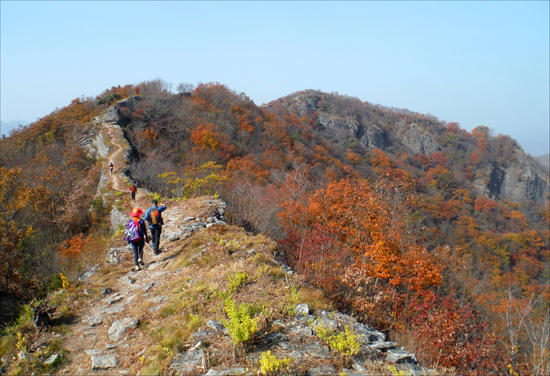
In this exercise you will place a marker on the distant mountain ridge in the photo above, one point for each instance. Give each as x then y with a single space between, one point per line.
8 126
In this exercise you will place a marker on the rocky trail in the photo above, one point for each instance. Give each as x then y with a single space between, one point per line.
128 322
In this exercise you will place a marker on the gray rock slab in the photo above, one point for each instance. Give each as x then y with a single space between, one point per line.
51 360
188 362
104 361
134 287
121 249
156 274
297 354
283 345
159 299
368 334
126 280
317 351
148 286
114 299
112 259
383 345
172 238
321 370
130 299
120 327
401 356
200 335
414 370
95 320
225 371
216 325
88 274
305 319
351 372
301 309
157 265
118 218
114 309
93 352
300 330
327 323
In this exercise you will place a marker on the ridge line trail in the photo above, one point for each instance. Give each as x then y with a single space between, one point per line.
114 157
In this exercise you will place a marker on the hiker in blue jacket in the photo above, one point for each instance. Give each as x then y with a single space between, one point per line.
155 221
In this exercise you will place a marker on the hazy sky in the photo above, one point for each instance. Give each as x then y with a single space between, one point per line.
476 63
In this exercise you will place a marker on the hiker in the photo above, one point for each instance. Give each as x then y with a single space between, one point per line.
155 223
133 189
136 234
111 167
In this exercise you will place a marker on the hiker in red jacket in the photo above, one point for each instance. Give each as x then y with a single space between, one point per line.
133 189
139 243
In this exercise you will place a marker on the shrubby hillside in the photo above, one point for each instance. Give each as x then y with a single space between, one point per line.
402 219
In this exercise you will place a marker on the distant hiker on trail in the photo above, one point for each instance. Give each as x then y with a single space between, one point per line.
111 167
136 234
133 189
155 223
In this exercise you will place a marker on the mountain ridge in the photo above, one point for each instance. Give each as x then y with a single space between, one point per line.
341 186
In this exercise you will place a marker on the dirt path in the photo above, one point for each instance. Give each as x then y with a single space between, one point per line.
106 339
116 158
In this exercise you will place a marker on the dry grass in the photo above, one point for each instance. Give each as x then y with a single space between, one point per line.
200 273
194 298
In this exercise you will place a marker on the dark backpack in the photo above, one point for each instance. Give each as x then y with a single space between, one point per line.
132 231
156 218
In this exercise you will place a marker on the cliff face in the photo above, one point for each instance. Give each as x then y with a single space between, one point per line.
517 181
515 176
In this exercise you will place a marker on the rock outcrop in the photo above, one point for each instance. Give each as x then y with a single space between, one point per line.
517 180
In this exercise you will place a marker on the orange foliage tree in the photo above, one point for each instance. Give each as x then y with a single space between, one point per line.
18 204
380 252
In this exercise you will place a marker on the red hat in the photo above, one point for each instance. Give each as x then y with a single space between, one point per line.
136 212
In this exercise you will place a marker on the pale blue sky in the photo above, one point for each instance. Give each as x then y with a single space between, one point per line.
477 63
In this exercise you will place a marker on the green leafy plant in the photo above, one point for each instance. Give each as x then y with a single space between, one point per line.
290 302
271 365
237 280
241 325
344 342
394 371
263 270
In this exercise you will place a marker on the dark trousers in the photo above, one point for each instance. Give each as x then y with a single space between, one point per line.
155 237
134 196
137 246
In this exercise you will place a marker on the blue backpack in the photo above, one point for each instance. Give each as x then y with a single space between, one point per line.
132 231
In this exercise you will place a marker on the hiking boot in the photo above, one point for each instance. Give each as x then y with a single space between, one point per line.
140 261
137 268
